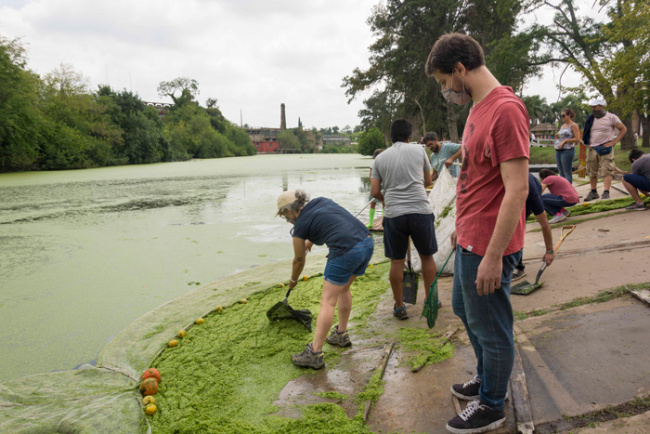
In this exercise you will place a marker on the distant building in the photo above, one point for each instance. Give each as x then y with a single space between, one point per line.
336 141
264 139
160 106
544 131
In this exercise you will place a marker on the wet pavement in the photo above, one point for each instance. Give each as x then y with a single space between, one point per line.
576 361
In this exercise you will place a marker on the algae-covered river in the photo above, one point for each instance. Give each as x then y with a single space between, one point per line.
84 253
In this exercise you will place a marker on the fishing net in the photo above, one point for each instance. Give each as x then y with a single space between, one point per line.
430 309
282 311
104 399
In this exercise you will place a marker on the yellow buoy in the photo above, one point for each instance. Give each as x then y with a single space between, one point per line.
181 334
586 203
173 343
149 400
243 301
305 278
199 321
218 309
151 409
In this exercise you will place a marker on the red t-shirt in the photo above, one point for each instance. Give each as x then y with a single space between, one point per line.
561 187
496 131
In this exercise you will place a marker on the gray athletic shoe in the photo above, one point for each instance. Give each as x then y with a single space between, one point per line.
342 339
637 207
606 195
309 358
518 274
592 196
558 218
566 213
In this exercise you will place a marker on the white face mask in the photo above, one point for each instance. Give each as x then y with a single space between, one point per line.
460 98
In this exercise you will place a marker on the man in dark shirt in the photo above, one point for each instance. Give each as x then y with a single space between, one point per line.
638 180
534 205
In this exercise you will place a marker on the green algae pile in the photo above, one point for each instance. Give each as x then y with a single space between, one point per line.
596 207
428 347
603 205
224 376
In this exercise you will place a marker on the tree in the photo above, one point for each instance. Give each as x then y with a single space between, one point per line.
631 65
404 33
79 132
187 88
20 120
371 140
143 138
588 47
287 141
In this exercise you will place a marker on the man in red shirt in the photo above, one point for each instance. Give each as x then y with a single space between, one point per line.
490 223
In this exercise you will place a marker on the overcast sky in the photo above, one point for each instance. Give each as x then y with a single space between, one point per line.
251 55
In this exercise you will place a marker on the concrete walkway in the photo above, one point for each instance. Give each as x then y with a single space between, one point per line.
575 360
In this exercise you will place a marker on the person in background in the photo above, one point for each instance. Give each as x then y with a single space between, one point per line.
535 206
598 135
399 179
638 180
565 140
562 194
443 155
490 225
373 201
323 221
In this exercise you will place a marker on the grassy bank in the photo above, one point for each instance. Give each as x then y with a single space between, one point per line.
546 155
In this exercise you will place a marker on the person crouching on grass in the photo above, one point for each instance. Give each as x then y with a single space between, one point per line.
323 221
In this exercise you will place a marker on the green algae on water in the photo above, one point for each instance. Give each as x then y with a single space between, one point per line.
332 395
429 346
227 373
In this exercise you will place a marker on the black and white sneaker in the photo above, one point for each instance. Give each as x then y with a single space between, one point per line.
518 273
476 418
467 391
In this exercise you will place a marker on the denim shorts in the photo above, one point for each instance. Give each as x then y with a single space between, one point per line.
351 263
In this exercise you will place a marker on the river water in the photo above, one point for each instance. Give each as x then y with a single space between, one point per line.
84 253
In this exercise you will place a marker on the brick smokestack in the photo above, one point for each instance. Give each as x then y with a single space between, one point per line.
283 118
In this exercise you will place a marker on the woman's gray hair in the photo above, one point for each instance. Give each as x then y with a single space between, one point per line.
302 197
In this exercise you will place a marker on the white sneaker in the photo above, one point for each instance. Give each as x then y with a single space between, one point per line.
558 218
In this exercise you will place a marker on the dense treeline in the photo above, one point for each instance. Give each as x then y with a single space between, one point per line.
610 53
56 122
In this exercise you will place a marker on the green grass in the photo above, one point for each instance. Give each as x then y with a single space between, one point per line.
546 155
601 297
604 296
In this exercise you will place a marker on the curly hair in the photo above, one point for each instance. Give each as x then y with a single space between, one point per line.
302 198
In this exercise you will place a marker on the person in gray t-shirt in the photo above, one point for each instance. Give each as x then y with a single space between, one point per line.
399 178
638 180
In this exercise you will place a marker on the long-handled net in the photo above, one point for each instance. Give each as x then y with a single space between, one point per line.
430 309
281 310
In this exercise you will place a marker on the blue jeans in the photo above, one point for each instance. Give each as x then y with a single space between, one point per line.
488 321
564 161
553 204
351 263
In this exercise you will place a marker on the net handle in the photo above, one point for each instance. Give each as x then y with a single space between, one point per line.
443 267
